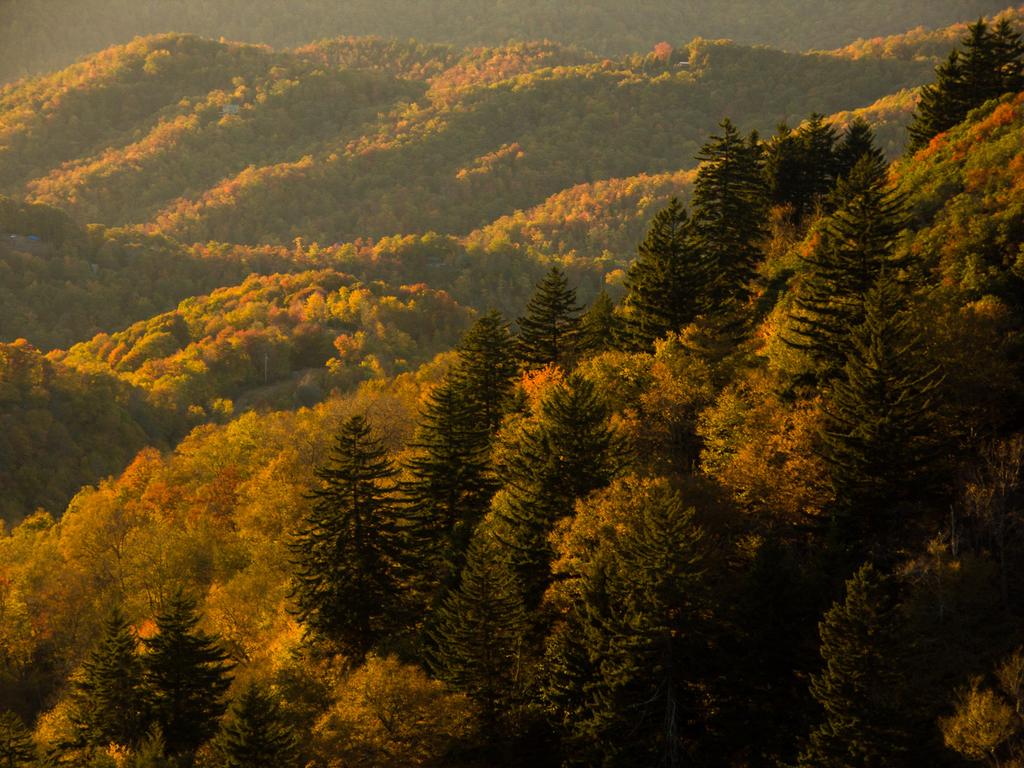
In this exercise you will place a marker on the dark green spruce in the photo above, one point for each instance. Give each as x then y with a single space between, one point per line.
345 584
549 331
668 282
187 675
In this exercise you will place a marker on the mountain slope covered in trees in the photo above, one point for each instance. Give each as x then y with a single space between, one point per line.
41 36
758 504
216 141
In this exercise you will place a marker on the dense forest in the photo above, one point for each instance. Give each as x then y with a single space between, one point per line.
709 454
43 35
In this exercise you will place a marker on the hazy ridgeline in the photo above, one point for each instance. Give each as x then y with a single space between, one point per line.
41 35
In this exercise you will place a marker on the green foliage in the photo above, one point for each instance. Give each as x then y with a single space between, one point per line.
854 245
549 331
880 439
187 677
450 482
730 211
862 686
345 550
479 634
625 664
667 283
255 734
990 64
486 369
111 700
568 450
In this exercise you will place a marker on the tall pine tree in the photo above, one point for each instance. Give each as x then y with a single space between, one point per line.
626 664
730 210
187 676
256 735
486 369
568 451
861 685
857 143
345 584
549 331
857 242
989 64
450 483
880 439
109 698
668 281
479 634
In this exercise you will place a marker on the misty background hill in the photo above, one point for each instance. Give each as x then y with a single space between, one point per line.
42 35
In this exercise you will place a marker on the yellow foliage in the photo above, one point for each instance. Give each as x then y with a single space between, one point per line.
983 723
388 714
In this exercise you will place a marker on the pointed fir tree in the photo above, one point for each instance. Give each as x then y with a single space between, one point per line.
989 64
345 551
256 734
858 142
801 167
478 635
730 213
16 747
109 698
820 168
569 451
668 281
1009 55
625 667
599 326
861 685
549 331
880 439
784 171
857 242
450 484
187 675
486 369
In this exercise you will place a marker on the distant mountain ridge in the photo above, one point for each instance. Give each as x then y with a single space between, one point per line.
205 140
41 35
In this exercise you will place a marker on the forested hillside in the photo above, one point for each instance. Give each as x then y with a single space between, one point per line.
216 141
720 466
42 36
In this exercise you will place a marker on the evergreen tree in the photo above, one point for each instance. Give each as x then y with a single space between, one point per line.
730 210
187 675
861 683
549 331
16 747
486 369
820 167
857 242
990 64
479 632
569 451
451 483
599 327
879 442
256 735
110 705
345 550
801 167
625 667
857 143
667 282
